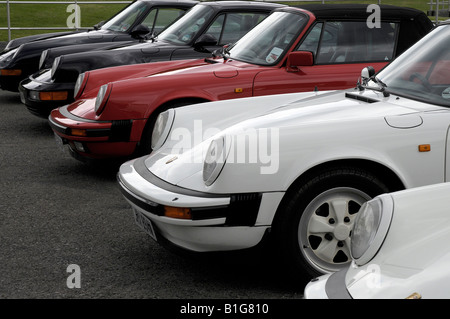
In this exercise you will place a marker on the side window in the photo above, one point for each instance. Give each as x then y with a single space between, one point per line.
230 27
215 29
149 20
311 42
238 24
160 18
352 42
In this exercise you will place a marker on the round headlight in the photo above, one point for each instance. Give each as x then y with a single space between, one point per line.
370 228
79 85
8 56
42 59
162 128
101 99
215 158
55 65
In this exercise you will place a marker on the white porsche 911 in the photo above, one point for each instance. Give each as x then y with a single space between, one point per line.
295 167
399 248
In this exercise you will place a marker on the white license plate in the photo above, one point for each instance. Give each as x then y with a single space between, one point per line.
145 223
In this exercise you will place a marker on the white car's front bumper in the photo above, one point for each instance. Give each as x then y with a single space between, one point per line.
220 222
328 286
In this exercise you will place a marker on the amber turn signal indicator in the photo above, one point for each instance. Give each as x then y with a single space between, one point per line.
53 96
13 72
177 212
78 132
424 148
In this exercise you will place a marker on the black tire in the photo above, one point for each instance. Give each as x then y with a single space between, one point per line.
145 144
311 237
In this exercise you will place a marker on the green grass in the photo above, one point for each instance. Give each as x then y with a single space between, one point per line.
55 15
51 15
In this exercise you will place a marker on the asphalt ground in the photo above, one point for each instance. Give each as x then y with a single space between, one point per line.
56 212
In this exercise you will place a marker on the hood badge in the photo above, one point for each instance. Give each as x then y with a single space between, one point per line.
172 159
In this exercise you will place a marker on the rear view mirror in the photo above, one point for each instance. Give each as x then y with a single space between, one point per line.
140 31
299 58
367 73
204 41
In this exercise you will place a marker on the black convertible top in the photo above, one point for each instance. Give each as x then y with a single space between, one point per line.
351 11
414 24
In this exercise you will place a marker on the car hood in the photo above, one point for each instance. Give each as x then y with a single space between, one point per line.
33 49
32 38
307 120
127 72
155 71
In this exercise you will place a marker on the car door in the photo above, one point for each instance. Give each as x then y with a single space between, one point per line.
340 50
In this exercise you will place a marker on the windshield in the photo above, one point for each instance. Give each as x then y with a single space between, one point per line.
187 27
126 18
267 43
422 72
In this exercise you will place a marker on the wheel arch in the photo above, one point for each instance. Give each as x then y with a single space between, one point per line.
385 174
164 107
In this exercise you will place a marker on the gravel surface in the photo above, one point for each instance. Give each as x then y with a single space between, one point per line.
57 211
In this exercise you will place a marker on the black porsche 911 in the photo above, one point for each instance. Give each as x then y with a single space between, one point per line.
21 56
205 28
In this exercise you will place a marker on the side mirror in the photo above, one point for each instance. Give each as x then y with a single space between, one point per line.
203 41
367 73
140 31
99 25
296 59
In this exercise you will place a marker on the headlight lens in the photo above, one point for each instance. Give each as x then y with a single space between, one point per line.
215 160
8 56
370 228
79 84
55 66
162 128
42 59
102 95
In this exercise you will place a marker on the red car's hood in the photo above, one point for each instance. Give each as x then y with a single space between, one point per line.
124 72
103 76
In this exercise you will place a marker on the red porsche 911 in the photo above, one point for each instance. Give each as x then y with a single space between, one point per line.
315 47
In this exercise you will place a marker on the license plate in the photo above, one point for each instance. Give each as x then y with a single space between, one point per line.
145 223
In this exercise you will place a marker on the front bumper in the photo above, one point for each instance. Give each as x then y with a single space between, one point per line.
92 139
219 222
329 286
10 82
56 94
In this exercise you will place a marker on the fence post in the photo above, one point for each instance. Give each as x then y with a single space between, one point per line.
8 19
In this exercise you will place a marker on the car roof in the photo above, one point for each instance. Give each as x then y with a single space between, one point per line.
240 4
357 11
170 2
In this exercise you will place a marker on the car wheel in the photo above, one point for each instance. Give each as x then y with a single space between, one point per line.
313 226
145 145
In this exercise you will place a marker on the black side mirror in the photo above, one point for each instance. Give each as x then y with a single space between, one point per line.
99 25
203 41
140 31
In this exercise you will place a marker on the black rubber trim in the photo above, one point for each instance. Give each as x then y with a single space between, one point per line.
139 166
335 286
